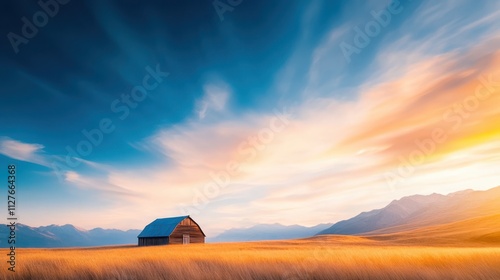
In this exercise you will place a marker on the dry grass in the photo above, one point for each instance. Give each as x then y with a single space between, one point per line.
333 257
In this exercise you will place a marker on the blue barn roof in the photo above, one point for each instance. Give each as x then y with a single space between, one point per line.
161 227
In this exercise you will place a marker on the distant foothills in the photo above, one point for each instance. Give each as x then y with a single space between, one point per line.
406 214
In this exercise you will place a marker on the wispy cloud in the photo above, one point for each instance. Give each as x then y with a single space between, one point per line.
214 99
29 152
102 186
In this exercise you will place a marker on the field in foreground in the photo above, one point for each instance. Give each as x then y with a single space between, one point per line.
323 257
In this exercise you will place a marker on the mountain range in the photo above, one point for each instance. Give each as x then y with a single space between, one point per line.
418 211
267 232
54 236
475 214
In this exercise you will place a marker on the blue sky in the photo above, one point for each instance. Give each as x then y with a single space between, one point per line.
315 131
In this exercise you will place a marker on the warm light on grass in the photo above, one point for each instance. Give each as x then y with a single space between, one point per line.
317 258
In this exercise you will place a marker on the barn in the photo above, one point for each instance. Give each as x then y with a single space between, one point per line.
174 230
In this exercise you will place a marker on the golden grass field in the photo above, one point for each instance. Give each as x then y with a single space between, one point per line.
332 257
468 249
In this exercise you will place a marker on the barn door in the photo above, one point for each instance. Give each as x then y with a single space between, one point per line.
185 239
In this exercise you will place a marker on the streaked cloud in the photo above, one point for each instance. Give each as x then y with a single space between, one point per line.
332 153
29 152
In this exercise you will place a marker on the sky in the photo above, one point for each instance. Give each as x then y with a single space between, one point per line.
238 113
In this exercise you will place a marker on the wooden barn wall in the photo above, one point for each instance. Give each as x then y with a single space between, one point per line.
150 241
187 227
